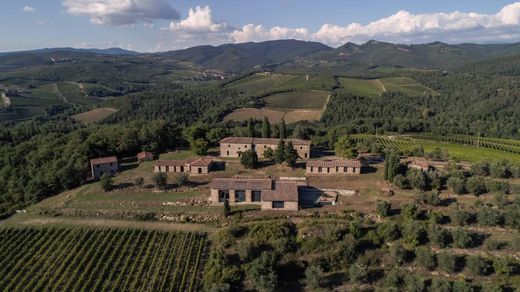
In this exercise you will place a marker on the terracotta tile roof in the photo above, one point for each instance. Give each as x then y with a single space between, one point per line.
268 141
283 191
237 140
334 163
173 162
241 184
421 162
103 160
205 161
144 154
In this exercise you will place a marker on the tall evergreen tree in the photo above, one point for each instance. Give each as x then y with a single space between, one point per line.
290 154
279 153
250 128
266 128
283 129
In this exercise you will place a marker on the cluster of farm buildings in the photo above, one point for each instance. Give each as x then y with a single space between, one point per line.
269 193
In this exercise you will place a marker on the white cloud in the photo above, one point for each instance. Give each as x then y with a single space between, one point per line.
121 12
29 9
451 27
251 33
199 20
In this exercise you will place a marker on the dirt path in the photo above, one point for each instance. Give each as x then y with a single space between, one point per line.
92 222
59 95
6 100
380 85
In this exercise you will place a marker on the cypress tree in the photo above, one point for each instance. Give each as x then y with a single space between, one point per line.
250 128
266 128
290 154
283 130
279 153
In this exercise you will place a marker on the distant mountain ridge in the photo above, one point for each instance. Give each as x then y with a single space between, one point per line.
302 55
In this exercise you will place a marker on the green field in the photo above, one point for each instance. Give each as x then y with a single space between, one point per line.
375 87
75 94
258 83
306 99
45 91
94 259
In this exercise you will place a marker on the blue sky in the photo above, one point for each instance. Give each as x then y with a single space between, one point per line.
160 25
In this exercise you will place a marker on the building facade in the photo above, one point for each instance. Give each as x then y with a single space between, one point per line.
270 194
235 146
104 165
339 166
191 166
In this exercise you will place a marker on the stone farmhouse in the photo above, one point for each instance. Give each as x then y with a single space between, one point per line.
338 166
234 146
144 156
191 166
270 194
104 165
419 163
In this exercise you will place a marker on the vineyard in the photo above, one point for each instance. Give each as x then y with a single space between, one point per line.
507 145
88 259
459 147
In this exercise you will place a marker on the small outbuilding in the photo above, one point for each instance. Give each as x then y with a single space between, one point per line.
104 165
192 166
338 166
144 156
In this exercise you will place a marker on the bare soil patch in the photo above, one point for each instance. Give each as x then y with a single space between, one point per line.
95 115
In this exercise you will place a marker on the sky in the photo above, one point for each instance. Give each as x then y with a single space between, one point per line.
162 25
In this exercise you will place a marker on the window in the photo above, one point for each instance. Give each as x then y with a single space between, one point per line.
111 164
200 170
345 169
305 155
337 169
240 196
319 169
278 204
182 168
228 145
256 196
97 166
245 146
301 148
312 168
265 146
223 195
328 170
354 170
227 153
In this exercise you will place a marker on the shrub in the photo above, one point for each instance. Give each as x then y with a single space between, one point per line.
358 273
139 182
515 242
409 211
491 244
460 217
160 180
477 265
414 283
262 272
390 231
487 216
476 185
106 183
393 279
462 286
457 185
414 233
447 262
425 257
182 179
461 238
438 235
314 277
401 182
504 266
500 199
440 285
398 254
383 208
432 198
249 159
